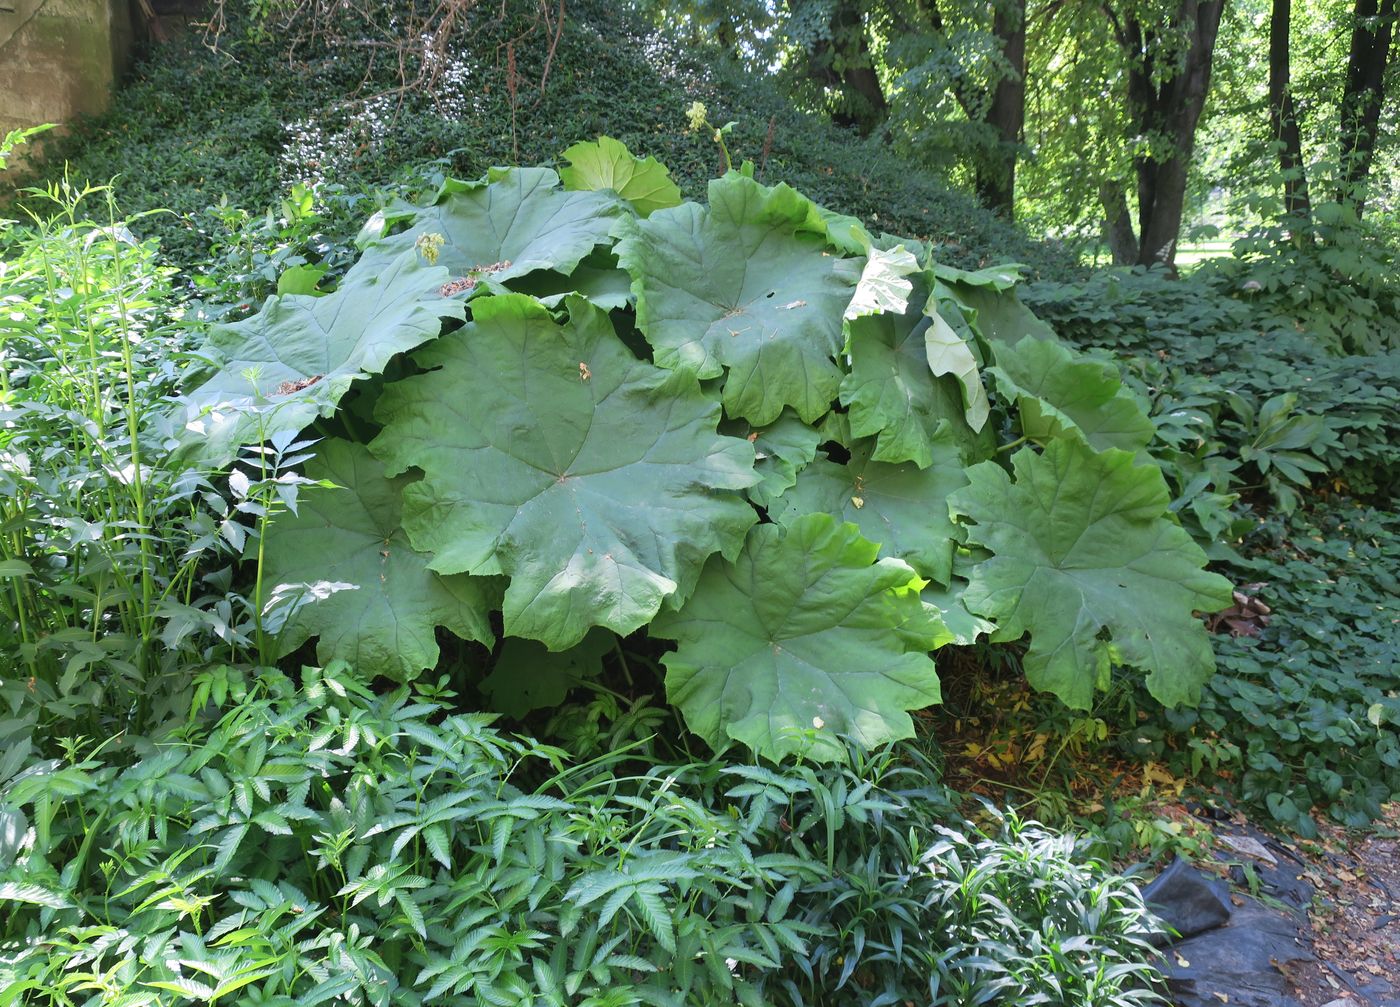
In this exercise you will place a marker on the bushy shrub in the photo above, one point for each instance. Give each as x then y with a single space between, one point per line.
1331 277
746 435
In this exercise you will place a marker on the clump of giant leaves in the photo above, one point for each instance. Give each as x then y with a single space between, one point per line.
798 456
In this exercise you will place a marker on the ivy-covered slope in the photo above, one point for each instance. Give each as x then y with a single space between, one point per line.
193 125
745 426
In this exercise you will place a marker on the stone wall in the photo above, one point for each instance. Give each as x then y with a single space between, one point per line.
60 58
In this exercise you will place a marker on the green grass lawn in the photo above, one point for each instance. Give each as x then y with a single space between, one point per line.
1192 253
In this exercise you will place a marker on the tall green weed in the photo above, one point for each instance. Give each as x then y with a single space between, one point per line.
86 504
114 554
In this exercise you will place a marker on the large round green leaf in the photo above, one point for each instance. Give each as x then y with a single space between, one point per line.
902 507
781 450
993 308
608 164
384 623
1082 545
893 394
514 222
596 481
801 641
745 288
295 359
1058 392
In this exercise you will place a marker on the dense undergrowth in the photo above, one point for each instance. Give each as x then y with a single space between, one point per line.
318 843
182 822
152 765
1288 457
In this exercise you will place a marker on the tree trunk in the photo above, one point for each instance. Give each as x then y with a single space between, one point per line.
1373 24
843 61
1165 103
726 36
994 178
1118 224
996 181
1283 116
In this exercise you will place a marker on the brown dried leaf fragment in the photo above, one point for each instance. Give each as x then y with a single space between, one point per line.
1246 617
474 275
288 387
453 287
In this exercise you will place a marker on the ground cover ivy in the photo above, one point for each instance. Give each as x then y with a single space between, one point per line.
1281 458
1305 714
632 415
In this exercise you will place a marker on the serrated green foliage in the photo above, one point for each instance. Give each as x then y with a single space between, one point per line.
595 481
900 507
1082 545
607 164
292 362
789 648
510 224
1058 392
892 393
382 604
781 451
744 288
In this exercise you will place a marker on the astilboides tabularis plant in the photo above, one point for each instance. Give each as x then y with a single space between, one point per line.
800 455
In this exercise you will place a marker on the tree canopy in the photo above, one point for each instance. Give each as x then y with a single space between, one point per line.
1117 121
